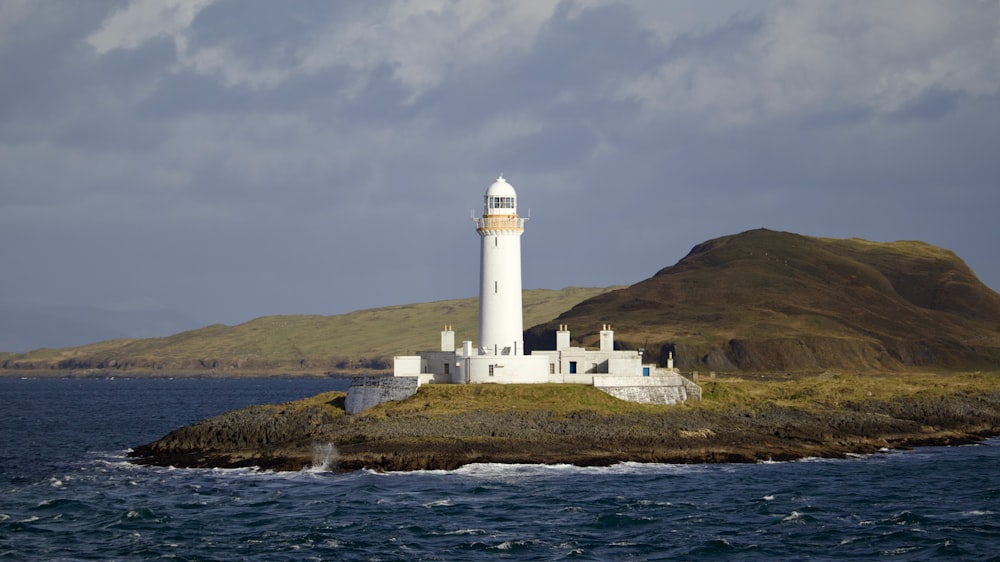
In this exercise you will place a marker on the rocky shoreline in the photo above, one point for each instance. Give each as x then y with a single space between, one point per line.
316 433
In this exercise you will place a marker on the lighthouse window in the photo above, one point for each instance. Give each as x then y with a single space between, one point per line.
501 202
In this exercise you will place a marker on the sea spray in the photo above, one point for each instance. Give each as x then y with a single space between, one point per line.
325 457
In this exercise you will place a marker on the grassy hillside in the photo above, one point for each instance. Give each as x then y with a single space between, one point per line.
755 301
776 301
365 339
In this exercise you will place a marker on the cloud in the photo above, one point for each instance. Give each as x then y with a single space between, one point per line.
199 152
143 20
800 58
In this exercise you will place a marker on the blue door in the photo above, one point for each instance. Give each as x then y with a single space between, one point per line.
645 371
572 367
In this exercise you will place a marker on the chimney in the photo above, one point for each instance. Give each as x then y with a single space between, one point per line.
447 339
607 338
562 337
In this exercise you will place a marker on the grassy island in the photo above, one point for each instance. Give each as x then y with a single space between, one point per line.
747 418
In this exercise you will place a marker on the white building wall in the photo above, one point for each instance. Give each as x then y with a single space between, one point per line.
438 364
625 363
515 369
405 365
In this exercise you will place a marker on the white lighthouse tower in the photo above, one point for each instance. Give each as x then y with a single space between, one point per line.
501 326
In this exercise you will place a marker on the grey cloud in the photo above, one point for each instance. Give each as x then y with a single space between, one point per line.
933 103
336 187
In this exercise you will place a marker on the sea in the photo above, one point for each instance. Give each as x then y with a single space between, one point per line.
68 492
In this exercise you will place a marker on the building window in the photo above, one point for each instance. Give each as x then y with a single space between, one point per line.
552 368
491 370
447 368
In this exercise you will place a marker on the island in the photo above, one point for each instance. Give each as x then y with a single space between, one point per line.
744 418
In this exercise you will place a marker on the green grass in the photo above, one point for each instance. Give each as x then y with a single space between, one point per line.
836 390
818 392
561 399
302 343
329 402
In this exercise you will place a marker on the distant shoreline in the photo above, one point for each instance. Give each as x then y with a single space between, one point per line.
105 374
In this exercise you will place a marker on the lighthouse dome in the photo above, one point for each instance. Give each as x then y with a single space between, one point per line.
500 199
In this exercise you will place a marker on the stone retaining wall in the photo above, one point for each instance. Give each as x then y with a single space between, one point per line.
368 391
670 389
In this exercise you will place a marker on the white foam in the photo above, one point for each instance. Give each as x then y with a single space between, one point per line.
507 471
438 503
466 532
325 457
792 516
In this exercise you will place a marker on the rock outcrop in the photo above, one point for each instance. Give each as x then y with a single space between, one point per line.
289 437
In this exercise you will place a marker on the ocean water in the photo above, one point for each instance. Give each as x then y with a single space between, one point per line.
68 493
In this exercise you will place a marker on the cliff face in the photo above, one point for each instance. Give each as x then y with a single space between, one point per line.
775 301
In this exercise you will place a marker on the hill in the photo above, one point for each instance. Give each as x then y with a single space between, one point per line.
760 300
360 340
775 301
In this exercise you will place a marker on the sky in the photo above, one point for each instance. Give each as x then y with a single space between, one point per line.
222 160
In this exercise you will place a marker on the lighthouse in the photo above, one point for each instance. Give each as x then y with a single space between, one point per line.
499 356
501 328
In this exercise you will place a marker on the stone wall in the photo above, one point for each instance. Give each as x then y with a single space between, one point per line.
669 389
368 391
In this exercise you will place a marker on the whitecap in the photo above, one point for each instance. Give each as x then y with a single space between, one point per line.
792 516
898 551
466 532
438 503
507 471
768 498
